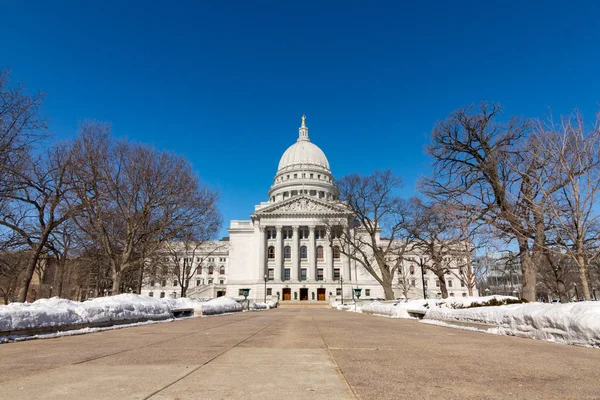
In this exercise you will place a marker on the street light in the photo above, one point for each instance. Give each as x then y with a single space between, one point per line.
357 294
421 264
594 293
576 292
50 290
265 287
342 288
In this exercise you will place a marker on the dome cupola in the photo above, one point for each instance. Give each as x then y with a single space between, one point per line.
303 169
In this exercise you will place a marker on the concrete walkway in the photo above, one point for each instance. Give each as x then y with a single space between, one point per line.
304 353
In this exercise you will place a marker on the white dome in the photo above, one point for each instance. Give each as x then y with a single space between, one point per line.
301 154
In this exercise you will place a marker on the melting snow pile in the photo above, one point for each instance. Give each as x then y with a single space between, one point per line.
220 305
571 323
61 312
262 305
124 307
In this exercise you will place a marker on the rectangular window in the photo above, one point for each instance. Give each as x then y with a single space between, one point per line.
163 283
286 274
336 274
367 292
437 283
151 294
413 282
303 273
462 283
152 283
198 282
240 292
338 291
269 292
464 295
221 282
174 283
451 294
210 281
320 274
449 282
162 294
271 274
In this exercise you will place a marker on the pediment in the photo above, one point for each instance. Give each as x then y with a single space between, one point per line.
304 205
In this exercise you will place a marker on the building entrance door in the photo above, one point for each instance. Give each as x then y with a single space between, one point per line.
303 294
287 294
220 293
321 294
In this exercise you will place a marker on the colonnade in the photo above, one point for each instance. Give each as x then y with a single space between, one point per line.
279 263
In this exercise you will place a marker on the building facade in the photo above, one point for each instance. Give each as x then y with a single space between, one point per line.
283 251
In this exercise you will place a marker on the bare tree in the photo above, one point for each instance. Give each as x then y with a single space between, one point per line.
483 163
132 195
20 127
404 281
575 171
374 232
37 206
438 237
187 254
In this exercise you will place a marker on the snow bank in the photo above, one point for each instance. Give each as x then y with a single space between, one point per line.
61 312
404 309
56 312
262 305
220 305
571 323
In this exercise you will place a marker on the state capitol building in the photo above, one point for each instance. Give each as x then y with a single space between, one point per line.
284 249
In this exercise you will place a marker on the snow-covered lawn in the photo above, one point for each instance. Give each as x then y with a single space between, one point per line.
573 323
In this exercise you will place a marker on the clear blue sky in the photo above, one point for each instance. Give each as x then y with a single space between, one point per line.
225 82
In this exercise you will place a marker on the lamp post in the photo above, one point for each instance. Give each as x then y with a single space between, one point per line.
422 264
357 295
265 287
594 293
245 293
50 290
576 292
342 288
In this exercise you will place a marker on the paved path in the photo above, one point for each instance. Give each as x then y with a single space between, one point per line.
299 353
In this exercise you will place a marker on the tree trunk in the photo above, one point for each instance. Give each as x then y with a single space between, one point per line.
116 286
582 264
30 270
388 291
529 271
443 287
562 292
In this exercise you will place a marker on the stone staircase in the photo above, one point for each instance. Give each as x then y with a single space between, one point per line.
303 304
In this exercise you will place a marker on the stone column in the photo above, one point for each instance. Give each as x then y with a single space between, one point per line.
262 260
328 260
312 254
278 254
346 268
295 254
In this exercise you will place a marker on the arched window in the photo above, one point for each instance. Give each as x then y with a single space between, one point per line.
222 270
336 253
287 252
303 253
271 252
320 252
211 269
412 269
